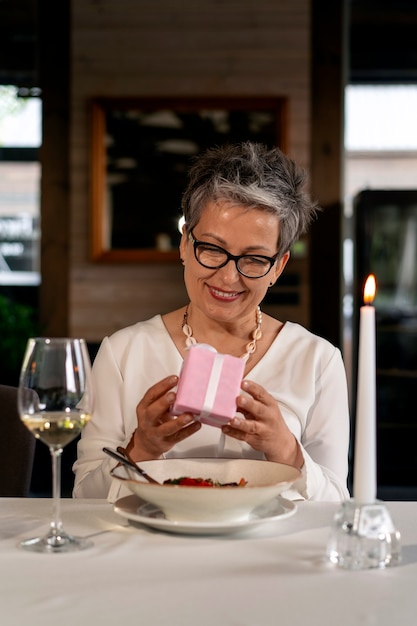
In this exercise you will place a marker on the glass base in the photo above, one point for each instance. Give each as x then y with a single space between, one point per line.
56 543
363 536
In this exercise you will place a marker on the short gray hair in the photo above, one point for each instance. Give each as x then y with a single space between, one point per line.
255 177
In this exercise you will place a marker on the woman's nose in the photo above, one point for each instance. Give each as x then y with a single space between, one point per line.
230 272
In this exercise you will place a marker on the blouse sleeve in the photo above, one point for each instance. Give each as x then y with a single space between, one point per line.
92 467
325 438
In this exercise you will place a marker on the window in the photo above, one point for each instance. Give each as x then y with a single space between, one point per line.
380 155
20 138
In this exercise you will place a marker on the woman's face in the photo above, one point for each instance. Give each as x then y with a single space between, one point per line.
224 294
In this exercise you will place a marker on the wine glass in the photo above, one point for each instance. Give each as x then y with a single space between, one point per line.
55 401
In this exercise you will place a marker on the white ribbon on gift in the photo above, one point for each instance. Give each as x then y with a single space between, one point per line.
212 386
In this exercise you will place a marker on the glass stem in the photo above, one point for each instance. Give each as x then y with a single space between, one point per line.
56 524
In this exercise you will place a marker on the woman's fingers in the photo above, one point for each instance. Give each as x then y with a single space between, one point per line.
155 404
158 429
159 390
256 402
179 429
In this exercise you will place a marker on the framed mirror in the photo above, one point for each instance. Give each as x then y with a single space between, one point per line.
141 151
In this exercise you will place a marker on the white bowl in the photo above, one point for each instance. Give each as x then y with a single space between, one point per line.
265 480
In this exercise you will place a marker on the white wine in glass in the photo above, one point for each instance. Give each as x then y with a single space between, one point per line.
55 401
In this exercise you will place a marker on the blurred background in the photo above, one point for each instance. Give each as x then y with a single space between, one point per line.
100 102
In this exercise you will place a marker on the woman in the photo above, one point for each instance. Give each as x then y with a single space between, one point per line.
244 207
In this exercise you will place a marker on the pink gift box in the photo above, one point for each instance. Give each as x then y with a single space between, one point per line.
209 384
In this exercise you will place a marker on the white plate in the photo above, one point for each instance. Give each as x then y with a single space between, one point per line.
137 510
265 480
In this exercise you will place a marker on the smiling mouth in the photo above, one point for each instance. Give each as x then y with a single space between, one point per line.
224 294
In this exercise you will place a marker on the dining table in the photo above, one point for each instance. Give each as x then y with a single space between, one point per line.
273 573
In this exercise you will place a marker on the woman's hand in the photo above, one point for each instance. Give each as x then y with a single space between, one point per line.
157 430
264 428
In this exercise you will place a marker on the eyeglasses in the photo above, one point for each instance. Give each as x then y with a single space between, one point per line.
214 257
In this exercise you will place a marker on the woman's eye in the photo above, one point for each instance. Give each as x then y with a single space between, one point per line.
211 250
253 260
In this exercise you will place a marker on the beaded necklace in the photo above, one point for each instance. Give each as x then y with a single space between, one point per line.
250 347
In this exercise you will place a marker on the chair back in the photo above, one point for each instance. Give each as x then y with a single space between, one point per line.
17 447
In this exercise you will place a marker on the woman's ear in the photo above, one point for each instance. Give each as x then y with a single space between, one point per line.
183 244
279 267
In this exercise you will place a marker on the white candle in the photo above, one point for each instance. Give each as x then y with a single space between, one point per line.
364 473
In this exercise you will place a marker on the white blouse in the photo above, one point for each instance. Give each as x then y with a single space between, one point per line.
304 372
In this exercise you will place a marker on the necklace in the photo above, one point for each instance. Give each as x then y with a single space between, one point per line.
250 347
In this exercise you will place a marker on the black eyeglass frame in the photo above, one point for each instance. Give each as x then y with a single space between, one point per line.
231 257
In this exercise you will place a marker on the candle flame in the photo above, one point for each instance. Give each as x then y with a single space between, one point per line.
369 290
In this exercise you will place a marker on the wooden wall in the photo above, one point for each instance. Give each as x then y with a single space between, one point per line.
164 48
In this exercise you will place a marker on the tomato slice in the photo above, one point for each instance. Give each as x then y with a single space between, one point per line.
195 482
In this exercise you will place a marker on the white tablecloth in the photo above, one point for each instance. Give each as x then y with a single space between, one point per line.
274 575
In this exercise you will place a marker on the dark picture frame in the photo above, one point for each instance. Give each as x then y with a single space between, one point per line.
141 151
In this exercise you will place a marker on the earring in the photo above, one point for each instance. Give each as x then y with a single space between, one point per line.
270 284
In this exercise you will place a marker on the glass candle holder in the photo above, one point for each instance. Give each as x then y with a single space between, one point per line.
363 536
